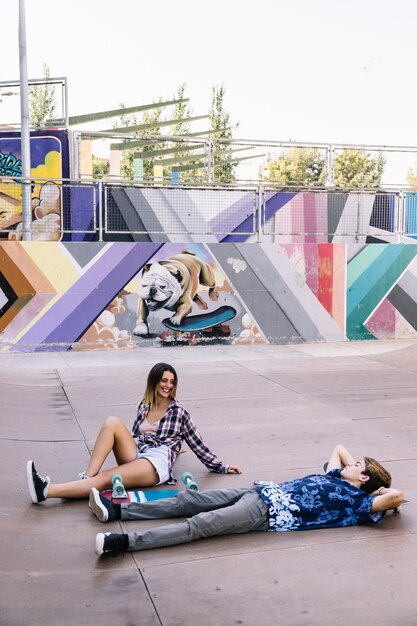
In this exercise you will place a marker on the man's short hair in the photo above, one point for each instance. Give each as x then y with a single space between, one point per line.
378 476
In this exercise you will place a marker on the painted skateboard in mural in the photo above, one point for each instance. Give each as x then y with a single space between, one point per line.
119 495
397 510
200 328
203 321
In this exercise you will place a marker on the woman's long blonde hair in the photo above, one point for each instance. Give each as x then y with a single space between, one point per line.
154 378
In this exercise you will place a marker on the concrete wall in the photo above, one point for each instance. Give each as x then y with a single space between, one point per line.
61 296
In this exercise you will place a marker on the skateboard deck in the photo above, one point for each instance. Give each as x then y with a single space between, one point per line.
136 495
204 320
120 495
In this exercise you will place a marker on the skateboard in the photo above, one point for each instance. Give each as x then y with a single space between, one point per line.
203 321
119 495
136 495
213 334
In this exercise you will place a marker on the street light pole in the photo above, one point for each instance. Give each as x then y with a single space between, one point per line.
24 128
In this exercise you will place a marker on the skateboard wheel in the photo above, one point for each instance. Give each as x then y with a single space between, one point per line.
186 476
116 478
189 482
118 487
118 490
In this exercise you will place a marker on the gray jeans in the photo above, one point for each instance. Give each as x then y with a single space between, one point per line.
213 512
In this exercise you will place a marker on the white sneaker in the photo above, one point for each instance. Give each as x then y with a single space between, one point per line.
38 485
111 543
83 476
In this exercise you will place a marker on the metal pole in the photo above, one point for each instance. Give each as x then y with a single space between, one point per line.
100 210
65 103
401 216
210 160
259 198
330 166
24 128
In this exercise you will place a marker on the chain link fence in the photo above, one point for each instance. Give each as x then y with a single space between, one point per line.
100 210
58 207
179 211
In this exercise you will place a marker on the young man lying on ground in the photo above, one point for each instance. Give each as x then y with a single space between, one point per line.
351 492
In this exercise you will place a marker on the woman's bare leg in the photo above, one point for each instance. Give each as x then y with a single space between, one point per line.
138 473
115 436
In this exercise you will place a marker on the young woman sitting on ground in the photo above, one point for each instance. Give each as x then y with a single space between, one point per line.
144 458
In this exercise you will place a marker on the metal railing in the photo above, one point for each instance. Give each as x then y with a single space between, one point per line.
195 158
65 209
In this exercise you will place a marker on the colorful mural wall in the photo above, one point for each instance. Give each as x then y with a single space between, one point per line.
75 295
49 154
230 215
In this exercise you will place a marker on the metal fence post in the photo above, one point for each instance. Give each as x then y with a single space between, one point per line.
209 161
358 217
24 129
100 210
330 165
401 216
259 195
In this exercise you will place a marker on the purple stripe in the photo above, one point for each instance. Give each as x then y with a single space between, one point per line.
80 306
276 202
244 228
236 214
26 314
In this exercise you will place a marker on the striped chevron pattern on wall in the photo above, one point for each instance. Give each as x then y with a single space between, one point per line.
62 296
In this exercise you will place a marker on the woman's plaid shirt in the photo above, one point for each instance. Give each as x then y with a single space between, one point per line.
175 427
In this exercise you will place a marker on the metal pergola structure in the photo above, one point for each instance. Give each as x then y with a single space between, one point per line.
60 81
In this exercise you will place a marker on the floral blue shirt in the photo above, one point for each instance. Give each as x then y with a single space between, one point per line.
316 501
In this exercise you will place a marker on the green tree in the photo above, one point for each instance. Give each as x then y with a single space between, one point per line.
412 176
126 165
101 167
182 111
357 168
151 117
148 117
41 102
224 166
297 166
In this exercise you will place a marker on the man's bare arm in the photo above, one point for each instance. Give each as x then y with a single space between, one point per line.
386 498
339 458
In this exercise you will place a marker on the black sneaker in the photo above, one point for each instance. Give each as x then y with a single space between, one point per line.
111 543
38 485
103 509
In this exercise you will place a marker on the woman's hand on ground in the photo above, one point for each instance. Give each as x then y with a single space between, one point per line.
234 469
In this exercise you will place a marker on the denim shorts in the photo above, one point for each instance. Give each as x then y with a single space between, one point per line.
159 457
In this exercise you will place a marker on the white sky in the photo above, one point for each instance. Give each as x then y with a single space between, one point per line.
323 71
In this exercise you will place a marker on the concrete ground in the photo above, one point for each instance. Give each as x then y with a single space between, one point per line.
275 410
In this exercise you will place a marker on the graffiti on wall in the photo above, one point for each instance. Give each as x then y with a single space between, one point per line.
74 296
49 161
